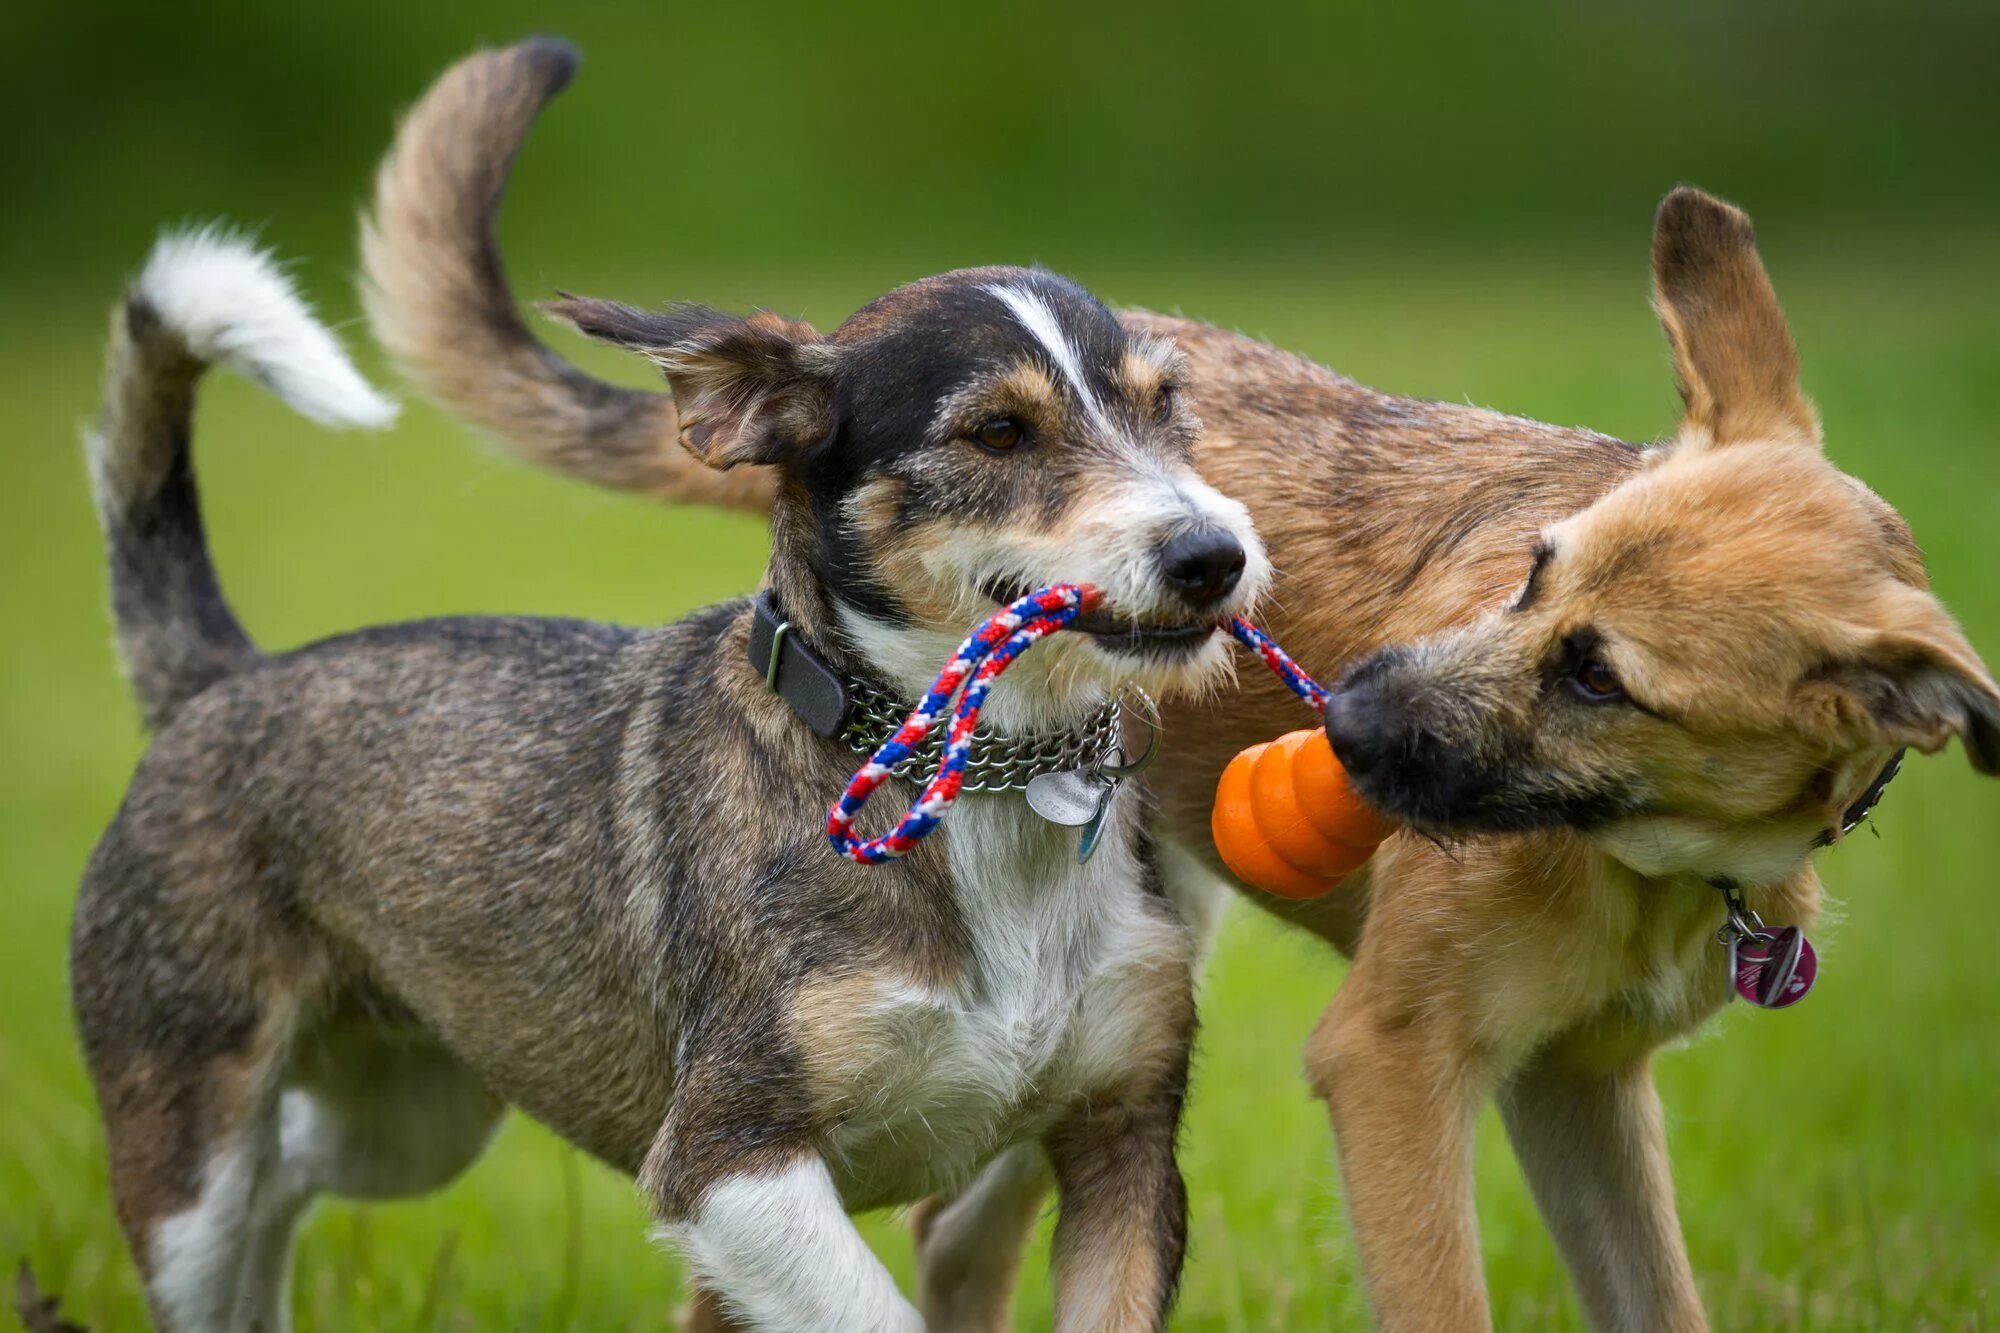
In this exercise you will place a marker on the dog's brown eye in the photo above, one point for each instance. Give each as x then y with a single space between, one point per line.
999 434
1170 398
1596 681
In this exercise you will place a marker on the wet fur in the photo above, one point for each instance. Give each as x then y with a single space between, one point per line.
1552 924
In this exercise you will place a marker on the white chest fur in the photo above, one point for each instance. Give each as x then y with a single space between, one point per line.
1059 996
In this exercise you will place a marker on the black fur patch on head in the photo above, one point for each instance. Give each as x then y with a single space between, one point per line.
958 337
910 350
898 397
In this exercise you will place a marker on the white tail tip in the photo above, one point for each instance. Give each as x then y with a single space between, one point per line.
231 304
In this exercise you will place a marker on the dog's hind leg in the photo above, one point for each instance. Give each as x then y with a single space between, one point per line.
220 1260
233 1089
364 1113
371 1111
187 1045
344 1110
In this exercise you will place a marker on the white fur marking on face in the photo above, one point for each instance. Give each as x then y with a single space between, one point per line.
1039 319
781 1252
1113 544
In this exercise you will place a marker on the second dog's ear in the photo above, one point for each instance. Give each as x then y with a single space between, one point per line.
747 390
1739 372
1917 685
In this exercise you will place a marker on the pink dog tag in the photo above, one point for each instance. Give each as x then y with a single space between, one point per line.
1773 973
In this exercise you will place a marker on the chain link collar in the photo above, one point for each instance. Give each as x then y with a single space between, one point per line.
999 762
862 715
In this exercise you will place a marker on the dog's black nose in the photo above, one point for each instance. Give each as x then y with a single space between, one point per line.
1359 727
1204 565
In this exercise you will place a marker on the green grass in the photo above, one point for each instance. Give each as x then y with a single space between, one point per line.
1839 1165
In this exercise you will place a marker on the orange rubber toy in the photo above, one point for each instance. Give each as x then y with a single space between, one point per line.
1287 820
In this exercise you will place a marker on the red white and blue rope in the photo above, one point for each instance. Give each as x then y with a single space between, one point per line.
976 664
1280 662
968 676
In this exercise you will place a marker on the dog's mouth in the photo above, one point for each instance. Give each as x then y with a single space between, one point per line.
1454 796
1128 636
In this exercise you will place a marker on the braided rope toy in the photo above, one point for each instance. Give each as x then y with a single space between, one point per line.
969 675
1280 662
986 652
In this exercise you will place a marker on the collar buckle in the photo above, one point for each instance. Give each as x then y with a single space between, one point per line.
798 675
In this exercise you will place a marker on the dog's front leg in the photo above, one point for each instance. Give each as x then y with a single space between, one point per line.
743 1194
1402 1094
1591 1144
1121 1221
775 1247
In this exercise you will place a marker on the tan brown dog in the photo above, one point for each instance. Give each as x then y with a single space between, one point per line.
1606 681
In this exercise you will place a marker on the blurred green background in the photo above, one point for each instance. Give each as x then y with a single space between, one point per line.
1450 201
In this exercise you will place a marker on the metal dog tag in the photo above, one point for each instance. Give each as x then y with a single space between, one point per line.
1774 972
1071 798
1075 798
1086 843
1082 797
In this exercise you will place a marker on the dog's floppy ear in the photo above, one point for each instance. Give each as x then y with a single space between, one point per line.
1739 373
747 390
1918 684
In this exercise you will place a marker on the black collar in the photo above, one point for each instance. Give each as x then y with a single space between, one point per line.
816 692
1851 819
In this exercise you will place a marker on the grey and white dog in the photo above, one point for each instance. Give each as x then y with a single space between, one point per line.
362 896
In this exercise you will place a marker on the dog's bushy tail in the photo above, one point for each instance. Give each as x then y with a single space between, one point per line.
204 298
437 295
